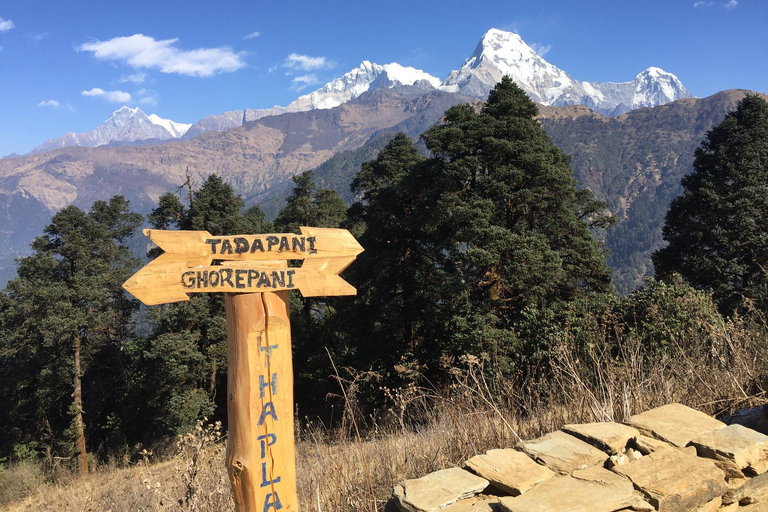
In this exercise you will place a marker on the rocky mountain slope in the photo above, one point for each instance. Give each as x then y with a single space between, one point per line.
124 125
634 161
366 77
497 54
502 53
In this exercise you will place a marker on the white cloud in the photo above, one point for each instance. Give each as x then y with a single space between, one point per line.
136 78
147 96
306 63
110 96
5 25
541 49
37 37
304 81
144 52
49 103
252 35
731 4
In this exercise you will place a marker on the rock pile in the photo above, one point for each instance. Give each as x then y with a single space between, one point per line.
670 459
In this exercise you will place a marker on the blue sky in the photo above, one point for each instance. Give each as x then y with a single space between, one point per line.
65 66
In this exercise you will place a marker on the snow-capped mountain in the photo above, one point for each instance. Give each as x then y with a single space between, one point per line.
502 53
366 77
124 125
499 53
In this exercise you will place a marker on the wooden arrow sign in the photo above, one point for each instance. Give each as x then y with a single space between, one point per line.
186 265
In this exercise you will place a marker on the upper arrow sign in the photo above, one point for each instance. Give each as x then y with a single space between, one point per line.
201 246
185 266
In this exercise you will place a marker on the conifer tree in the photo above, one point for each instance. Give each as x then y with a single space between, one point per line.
718 228
313 206
478 242
181 367
65 322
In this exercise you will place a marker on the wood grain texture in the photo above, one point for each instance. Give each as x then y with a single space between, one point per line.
260 450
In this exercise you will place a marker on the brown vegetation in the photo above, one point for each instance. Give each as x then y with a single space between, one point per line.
602 368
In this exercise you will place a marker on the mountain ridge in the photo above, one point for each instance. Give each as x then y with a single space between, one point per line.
124 125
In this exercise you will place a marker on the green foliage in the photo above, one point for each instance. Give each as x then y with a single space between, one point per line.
717 229
180 370
67 294
310 205
488 234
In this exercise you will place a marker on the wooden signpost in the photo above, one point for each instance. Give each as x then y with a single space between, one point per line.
253 272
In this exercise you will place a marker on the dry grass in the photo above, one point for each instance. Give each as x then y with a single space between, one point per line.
717 367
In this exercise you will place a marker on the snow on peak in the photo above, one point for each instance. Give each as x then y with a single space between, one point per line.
125 125
175 129
406 75
501 53
365 77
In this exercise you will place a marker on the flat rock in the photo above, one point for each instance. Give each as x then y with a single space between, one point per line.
587 490
711 506
754 490
476 504
674 423
646 445
509 470
609 437
563 453
675 481
756 507
736 446
437 490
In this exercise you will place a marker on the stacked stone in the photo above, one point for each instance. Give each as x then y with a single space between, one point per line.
670 459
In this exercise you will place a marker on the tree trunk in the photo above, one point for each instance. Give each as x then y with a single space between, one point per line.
82 456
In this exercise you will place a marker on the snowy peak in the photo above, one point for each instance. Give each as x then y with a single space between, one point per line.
366 77
174 128
502 53
656 86
125 125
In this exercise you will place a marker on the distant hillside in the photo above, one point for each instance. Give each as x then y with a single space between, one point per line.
634 161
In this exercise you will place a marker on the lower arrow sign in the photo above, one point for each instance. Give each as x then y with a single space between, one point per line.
163 281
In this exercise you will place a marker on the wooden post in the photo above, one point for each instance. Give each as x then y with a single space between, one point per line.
260 449
251 272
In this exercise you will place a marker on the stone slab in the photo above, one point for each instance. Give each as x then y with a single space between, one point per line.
736 446
588 490
674 423
757 507
563 453
646 445
675 481
437 490
509 470
476 504
609 437
711 506
754 490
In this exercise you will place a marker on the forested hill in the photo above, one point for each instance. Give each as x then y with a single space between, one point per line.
634 162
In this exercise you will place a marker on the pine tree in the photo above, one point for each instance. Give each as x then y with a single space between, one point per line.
470 248
181 367
65 323
718 228
310 205
393 275
313 206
